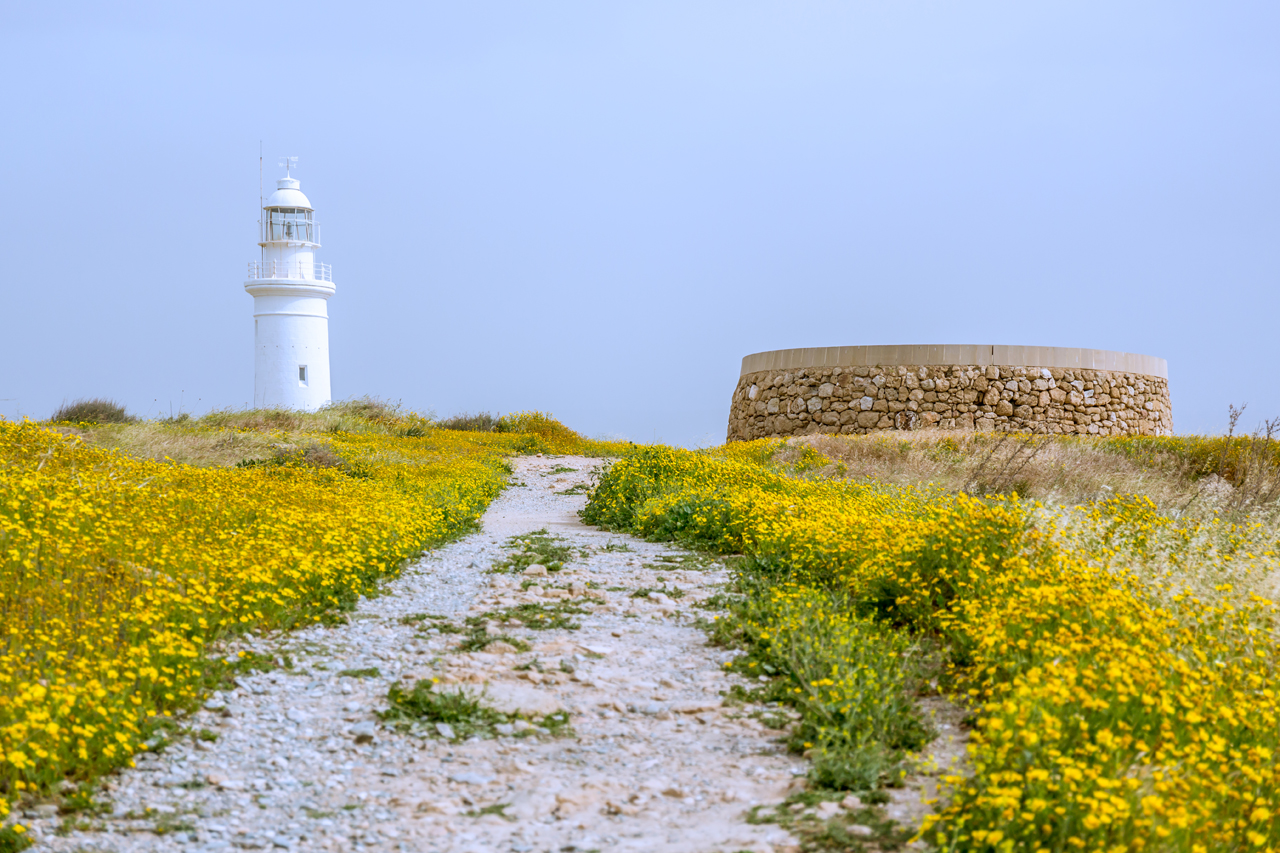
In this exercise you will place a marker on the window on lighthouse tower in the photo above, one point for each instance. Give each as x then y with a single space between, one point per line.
302 374
289 223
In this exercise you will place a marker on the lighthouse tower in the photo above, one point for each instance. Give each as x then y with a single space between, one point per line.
290 291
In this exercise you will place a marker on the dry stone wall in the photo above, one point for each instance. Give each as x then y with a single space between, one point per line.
853 400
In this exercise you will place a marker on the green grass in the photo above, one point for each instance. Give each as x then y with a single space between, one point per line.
831 835
694 562
670 592
430 620
367 672
861 744
465 713
536 547
494 808
415 618
538 616
478 640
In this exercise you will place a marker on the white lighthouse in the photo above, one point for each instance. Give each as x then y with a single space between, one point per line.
290 291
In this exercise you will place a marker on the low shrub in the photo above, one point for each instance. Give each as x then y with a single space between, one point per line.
97 410
481 422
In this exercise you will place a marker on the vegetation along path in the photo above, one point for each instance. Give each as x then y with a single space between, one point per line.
539 685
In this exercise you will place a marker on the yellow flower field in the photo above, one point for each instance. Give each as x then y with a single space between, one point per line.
116 573
1115 709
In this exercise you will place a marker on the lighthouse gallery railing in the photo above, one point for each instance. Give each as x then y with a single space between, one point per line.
294 269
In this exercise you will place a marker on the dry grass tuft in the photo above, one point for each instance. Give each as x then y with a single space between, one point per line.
479 422
363 415
97 410
1059 470
279 436
228 437
1215 497
190 445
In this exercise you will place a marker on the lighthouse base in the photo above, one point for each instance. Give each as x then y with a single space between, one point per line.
291 345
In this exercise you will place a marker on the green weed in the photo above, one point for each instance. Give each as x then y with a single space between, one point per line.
465 713
538 616
670 592
479 638
536 547
818 835
495 808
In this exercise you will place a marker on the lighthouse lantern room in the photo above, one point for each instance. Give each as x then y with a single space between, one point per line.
290 291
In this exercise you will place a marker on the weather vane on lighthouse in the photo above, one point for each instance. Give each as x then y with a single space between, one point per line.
290 291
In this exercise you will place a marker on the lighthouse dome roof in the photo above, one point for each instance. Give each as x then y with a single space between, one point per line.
287 194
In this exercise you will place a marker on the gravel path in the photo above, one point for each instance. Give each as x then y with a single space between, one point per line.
654 762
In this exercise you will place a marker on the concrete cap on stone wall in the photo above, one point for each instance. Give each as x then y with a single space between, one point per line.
1069 358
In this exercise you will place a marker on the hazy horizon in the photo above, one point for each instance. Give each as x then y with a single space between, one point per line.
597 211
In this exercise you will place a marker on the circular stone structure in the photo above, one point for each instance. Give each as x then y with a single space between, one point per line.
851 390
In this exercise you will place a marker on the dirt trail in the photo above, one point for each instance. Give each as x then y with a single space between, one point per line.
655 762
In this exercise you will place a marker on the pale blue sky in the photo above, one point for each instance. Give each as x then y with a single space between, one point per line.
597 209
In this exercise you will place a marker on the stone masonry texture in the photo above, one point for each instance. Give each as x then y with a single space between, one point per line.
857 400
